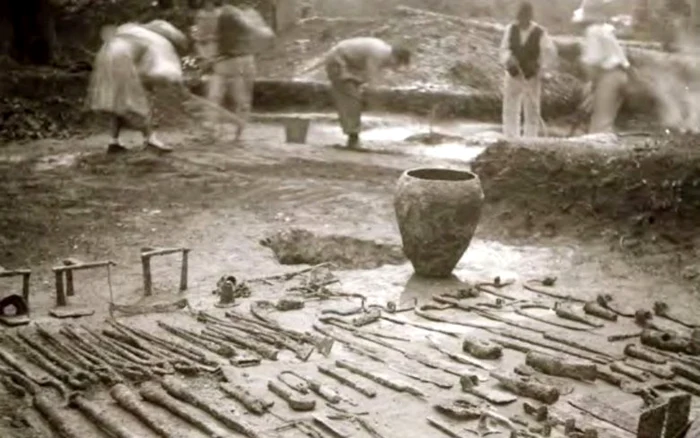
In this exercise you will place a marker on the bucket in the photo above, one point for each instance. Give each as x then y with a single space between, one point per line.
296 130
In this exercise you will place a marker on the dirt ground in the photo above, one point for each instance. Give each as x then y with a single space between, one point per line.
224 201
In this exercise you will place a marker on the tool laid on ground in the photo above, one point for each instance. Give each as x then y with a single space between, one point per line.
295 402
541 286
481 349
470 385
554 366
662 309
20 303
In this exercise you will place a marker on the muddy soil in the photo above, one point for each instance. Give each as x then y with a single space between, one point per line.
221 200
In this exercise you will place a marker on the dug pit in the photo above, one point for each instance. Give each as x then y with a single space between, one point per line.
297 246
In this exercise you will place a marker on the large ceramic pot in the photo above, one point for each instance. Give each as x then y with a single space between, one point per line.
437 211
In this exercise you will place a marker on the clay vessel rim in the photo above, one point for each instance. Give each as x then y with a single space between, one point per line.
440 174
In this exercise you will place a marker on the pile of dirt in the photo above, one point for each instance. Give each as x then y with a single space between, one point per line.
548 187
296 247
449 53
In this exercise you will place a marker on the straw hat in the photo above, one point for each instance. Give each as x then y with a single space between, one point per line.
590 10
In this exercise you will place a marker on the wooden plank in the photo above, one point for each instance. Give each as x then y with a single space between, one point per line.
651 422
605 412
14 272
88 265
678 414
163 251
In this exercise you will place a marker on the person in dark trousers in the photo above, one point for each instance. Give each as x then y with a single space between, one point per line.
526 52
241 35
353 64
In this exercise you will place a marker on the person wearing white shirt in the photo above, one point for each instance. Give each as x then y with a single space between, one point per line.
606 65
526 51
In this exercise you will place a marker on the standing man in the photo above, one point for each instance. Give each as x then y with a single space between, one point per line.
606 66
526 50
352 65
241 35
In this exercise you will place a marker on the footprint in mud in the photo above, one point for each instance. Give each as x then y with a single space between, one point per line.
296 246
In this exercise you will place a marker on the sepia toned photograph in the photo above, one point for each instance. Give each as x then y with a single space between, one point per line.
349 218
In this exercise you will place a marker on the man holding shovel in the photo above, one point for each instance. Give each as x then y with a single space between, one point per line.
526 51
351 66
606 66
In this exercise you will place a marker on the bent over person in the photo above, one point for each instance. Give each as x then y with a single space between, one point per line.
352 64
526 52
133 60
606 65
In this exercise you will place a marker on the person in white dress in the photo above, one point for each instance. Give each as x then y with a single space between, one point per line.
133 60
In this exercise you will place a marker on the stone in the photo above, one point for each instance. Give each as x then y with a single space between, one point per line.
437 211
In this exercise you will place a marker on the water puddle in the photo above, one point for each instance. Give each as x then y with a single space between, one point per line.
458 141
55 161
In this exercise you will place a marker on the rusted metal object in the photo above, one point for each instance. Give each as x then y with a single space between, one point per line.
154 393
595 309
179 390
555 366
369 317
470 385
637 352
566 311
481 349
378 377
459 409
295 402
148 253
55 417
632 373
131 402
662 310
670 342
253 404
524 387
346 379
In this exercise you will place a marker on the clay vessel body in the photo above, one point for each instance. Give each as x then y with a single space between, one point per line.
437 211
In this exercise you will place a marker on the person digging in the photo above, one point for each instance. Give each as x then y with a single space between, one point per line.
134 61
352 66
606 64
